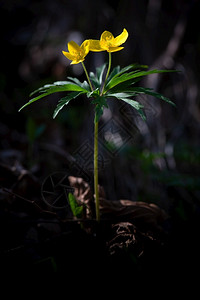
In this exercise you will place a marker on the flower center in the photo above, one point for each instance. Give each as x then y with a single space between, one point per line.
79 54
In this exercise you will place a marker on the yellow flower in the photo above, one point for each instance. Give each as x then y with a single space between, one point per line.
108 42
77 53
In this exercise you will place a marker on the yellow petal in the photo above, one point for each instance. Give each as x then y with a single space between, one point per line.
120 39
68 55
85 46
74 62
115 49
73 47
94 45
107 36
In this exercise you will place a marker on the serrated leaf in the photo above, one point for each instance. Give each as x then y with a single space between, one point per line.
121 94
136 105
99 73
34 99
64 101
114 72
97 78
83 84
54 88
122 87
148 91
100 104
119 79
94 93
117 71
98 112
59 86
77 209
100 101
132 76
94 80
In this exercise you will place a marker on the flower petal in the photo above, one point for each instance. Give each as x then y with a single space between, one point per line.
68 55
75 61
85 46
73 47
94 45
107 36
120 39
115 49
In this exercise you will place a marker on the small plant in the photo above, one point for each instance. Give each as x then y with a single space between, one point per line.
120 83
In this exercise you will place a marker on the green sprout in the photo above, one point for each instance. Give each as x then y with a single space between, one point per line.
120 84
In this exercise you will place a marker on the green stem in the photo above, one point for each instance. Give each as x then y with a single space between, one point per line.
108 71
96 190
88 78
96 124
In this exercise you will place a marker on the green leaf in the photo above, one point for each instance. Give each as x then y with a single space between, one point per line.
120 95
132 67
122 87
94 80
77 209
93 93
99 73
33 100
117 72
83 84
100 104
59 86
114 72
97 78
100 101
148 91
98 112
119 79
125 97
64 101
132 76
136 105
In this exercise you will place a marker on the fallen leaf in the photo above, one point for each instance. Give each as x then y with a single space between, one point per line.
83 193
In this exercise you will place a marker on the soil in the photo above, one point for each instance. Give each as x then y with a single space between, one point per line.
133 241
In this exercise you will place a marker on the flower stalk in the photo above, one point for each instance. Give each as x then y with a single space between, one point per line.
108 71
88 78
96 178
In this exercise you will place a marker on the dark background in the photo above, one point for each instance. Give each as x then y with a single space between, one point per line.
157 161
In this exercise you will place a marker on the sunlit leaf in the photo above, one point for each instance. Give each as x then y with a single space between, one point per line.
100 72
132 76
121 95
77 209
93 93
148 91
83 84
97 78
116 72
135 104
59 86
94 80
64 101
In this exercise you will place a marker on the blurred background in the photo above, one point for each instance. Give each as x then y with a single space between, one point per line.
156 161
